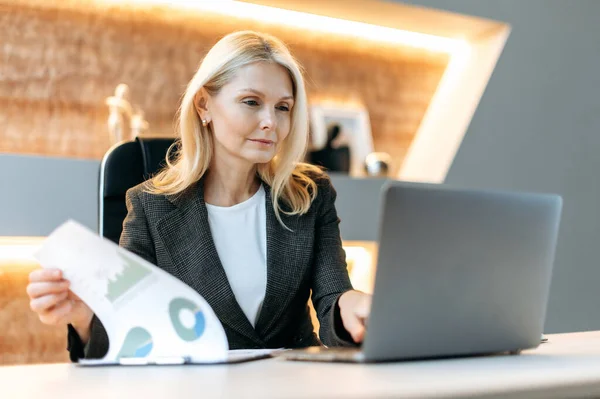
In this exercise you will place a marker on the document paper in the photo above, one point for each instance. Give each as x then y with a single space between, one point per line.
150 316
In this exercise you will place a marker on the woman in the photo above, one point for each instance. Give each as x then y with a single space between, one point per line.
237 216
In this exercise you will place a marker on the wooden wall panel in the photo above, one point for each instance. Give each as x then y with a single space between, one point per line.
59 63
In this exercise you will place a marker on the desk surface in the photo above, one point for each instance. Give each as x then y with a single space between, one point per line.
567 366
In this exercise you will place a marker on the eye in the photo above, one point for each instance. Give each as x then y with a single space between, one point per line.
284 108
252 103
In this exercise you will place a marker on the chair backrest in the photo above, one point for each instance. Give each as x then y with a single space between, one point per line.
126 165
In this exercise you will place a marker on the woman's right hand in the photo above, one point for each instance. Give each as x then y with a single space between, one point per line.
55 304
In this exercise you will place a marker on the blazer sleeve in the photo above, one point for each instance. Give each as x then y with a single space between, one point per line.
135 238
330 274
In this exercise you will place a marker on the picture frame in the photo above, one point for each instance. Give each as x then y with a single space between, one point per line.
355 131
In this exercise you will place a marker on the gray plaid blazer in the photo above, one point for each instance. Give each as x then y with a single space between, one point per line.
172 232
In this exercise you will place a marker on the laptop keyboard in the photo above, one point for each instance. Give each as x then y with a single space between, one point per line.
336 354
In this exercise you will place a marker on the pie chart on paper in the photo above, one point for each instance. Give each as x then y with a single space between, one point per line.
137 343
186 333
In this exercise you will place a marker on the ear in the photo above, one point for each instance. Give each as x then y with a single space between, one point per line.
201 103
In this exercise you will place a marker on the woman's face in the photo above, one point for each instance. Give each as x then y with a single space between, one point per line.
251 115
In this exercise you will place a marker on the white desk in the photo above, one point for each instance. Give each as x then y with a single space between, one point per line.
567 366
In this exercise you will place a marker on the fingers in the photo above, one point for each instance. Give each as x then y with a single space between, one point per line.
45 275
51 297
46 302
354 325
355 307
363 308
39 289
58 314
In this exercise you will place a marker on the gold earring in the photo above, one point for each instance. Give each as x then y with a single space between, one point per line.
204 122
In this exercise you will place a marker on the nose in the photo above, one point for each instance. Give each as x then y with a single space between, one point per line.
267 120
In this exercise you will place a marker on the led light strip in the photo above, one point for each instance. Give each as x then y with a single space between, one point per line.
19 248
309 21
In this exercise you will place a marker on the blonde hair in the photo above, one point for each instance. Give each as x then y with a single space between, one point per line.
289 178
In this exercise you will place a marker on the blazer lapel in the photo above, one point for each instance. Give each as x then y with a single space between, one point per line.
187 238
288 256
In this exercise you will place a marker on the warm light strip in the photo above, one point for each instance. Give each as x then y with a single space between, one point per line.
362 271
19 248
312 22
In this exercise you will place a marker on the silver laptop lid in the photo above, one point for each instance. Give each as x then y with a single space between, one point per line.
460 272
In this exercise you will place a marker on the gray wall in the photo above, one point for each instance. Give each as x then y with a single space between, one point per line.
39 193
538 128
358 206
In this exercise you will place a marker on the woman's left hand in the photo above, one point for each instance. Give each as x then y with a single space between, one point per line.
354 310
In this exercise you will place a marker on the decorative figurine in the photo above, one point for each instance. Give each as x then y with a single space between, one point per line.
120 114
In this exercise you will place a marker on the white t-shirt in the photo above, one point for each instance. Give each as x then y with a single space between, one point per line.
240 236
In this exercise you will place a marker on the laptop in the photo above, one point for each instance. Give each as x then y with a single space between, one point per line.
459 273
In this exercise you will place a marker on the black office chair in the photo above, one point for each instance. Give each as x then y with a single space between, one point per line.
125 165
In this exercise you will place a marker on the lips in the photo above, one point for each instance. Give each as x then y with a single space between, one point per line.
262 141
